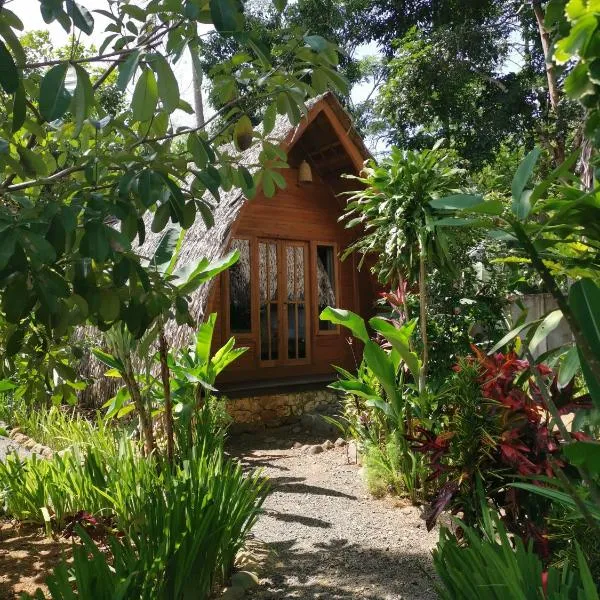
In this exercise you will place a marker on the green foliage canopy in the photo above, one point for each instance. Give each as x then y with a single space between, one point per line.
76 180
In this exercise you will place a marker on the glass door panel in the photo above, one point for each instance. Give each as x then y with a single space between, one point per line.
269 300
295 299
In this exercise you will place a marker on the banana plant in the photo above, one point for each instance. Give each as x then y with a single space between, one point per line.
385 365
182 282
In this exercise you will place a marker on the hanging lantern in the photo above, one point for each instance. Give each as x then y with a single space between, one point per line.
304 173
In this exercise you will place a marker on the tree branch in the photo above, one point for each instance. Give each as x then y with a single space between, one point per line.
42 181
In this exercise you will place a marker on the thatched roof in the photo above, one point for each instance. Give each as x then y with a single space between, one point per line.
213 243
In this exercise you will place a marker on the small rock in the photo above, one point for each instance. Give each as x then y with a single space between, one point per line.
38 449
233 593
244 580
340 442
315 449
15 431
29 444
20 438
46 452
328 444
297 445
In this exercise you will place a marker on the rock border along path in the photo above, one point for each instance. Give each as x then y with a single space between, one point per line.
328 537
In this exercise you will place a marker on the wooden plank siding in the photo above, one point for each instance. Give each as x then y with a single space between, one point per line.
307 213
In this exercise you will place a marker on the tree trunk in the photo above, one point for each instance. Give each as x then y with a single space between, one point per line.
553 88
197 83
163 351
423 319
138 402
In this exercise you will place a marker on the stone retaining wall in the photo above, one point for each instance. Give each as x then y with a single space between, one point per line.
280 409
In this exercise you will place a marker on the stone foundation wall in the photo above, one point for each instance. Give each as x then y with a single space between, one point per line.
280 409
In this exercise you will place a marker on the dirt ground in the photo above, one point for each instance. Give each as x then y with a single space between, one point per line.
26 558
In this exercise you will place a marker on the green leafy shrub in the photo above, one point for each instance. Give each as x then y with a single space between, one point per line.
62 427
179 526
383 403
496 566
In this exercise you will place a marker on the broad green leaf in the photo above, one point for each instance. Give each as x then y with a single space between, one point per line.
6 384
13 299
145 96
38 249
350 320
9 76
399 337
204 338
198 150
82 18
163 255
168 88
316 42
134 11
161 218
269 118
340 83
83 100
13 42
383 368
19 108
268 184
584 454
7 247
590 589
127 69
356 387
225 356
110 306
108 359
456 202
280 4
545 328
382 405
457 222
227 16
584 301
560 171
569 367
94 242
203 272
54 97
521 200
511 335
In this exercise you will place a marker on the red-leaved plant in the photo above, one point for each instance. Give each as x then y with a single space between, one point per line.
495 425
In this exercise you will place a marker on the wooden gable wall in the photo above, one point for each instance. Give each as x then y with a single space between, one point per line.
303 213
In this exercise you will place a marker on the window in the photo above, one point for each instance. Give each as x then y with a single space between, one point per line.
326 287
240 297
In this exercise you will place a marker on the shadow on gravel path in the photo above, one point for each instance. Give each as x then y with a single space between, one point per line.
328 538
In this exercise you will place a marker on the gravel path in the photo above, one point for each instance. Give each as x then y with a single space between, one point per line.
329 538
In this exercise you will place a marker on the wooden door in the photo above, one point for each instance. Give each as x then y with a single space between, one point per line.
283 307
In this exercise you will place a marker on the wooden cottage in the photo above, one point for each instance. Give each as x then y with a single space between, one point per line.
289 270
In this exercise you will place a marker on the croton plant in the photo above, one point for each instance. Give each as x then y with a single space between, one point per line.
496 426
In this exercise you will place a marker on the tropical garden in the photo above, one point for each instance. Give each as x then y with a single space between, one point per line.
485 192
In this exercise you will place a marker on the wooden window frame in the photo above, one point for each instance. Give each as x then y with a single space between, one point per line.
315 294
226 289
